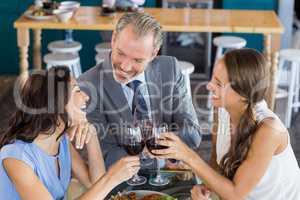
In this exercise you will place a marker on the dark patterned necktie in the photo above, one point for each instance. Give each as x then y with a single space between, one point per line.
139 106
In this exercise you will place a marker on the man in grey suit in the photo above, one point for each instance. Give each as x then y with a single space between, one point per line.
135 44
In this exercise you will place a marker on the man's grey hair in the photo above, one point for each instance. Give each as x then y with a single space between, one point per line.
143 24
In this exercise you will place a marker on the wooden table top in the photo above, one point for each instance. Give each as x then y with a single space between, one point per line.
172 20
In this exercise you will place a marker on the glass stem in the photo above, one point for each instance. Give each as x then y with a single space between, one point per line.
135 178
158 176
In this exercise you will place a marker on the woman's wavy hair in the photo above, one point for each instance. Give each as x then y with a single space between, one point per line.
41 106
247 72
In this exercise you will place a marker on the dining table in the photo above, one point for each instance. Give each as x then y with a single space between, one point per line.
171 20
178 188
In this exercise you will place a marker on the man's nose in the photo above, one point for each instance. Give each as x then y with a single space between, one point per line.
126 65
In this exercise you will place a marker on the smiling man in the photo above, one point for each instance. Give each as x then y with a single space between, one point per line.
133 81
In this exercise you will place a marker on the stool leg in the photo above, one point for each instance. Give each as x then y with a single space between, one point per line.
211 114
76 70
288 117
79 66
280 73
210 107
218 53
72 69
296 88
96 60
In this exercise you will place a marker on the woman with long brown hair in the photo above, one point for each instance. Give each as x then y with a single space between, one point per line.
254 157
37 154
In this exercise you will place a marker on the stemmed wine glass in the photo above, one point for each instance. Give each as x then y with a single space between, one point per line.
146 125
151 144
134 144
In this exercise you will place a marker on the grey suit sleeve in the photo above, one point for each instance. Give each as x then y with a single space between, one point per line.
183 110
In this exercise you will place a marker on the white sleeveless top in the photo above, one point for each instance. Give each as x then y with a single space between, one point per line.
281 181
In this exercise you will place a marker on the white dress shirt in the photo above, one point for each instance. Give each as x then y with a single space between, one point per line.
129 93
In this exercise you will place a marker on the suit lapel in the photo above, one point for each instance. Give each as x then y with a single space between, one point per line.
117 101
154 85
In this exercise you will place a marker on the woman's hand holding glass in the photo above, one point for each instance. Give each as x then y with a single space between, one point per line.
124 169
176 149
134 144
200 192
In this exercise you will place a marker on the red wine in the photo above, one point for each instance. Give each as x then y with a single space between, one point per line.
151 145
134 149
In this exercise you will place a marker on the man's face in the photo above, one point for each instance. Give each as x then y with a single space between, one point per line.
131 54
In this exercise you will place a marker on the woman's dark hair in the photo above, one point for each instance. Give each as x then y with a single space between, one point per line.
247 72
40 106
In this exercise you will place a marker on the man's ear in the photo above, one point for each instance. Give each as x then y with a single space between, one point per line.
154 53
113 38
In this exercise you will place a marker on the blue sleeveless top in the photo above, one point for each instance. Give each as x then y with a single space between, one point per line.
43 165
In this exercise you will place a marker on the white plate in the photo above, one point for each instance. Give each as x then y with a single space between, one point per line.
29 15
142 193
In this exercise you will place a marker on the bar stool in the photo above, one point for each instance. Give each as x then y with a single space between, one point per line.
100 57
224 43
187 69
228 42
61 46
292 82
72 47
63 59
102 50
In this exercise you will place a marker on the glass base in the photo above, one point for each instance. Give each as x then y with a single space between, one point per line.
159 181
137 180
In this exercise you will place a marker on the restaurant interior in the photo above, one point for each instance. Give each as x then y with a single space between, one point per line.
196 32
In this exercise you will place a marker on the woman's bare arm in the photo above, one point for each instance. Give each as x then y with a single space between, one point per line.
27 183
265 144
88 173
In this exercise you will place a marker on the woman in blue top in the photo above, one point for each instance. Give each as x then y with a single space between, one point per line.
36 154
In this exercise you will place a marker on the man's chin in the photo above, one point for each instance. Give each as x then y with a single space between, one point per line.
121 79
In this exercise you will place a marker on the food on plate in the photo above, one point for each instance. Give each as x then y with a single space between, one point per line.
39 12
151 197
133 196
167 198
130 196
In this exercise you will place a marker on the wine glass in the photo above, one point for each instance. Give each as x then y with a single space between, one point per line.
151 144
146 125
133 144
